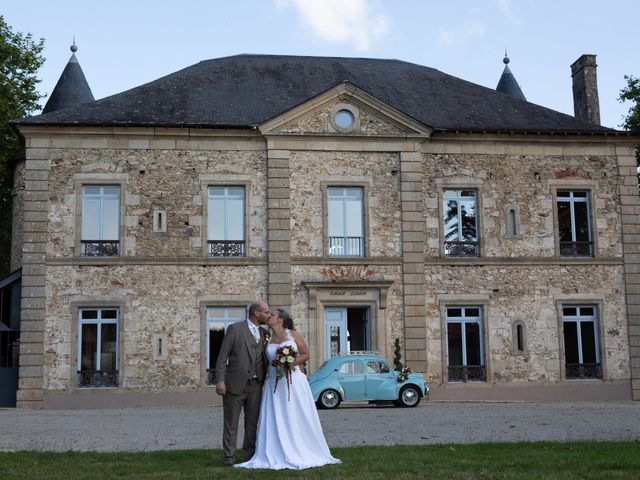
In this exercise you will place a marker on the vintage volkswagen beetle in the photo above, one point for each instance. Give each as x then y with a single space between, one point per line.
364 376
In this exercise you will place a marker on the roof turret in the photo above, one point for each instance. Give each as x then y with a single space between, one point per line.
508 83
72 88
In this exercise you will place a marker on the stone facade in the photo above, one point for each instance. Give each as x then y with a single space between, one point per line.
17 217
163 280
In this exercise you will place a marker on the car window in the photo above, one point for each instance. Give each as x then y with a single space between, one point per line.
351 368
377 367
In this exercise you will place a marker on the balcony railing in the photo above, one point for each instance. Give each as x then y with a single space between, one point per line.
467 373
462 249
226 248
346 246
576 249
583 370
100 248
97 378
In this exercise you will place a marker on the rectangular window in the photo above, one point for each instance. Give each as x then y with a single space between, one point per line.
100 221
226 220
98 347
574 226
581 352
465 347
218 320
461 223
345 221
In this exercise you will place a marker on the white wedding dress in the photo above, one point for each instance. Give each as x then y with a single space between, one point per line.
289 430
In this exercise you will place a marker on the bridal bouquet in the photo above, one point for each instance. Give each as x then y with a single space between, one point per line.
404 374
284 362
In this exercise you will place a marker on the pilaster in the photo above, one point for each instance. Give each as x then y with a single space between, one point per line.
630 219
413 238
36 187
279 229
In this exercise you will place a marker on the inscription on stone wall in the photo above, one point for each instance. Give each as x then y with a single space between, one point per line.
350 293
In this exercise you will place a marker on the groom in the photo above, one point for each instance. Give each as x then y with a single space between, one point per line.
240 372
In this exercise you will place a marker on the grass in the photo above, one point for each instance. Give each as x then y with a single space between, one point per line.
566 461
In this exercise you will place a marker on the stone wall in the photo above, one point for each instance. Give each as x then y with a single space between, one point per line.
17 217
377 172
523 181
170 180
154 300
529 294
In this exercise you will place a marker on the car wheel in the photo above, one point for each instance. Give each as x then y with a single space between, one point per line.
329 399
409 396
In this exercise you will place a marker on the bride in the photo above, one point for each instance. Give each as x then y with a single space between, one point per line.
289 430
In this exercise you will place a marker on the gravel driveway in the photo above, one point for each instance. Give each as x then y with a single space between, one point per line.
144 429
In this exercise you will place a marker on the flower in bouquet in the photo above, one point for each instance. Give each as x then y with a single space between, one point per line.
284 361
404 374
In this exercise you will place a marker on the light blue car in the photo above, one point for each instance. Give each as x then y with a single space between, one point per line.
364 376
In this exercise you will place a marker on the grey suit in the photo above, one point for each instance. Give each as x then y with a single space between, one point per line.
242 363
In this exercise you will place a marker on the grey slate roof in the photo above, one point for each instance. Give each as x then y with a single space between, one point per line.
509 85
246 90
71 90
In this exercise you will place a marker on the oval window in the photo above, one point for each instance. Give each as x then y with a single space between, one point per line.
344 119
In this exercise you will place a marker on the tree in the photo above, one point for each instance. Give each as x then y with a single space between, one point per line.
20 59
631 93
397 356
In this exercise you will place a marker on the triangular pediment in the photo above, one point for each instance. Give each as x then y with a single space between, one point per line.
345 110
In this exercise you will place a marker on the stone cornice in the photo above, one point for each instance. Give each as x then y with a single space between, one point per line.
132 261
397 261
528 261
346 261
163 132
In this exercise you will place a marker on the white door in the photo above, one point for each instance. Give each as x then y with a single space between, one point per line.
335 332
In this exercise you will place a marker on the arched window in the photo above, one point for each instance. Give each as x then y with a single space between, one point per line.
513 228
519 338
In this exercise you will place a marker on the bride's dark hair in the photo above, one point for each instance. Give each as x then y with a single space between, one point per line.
287 321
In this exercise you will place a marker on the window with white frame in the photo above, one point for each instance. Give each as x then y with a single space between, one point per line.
226 221
100 221
345 207
465 346
461 223
581 346
98 347
218 320
574 224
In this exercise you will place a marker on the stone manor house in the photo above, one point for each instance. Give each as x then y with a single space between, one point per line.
498 240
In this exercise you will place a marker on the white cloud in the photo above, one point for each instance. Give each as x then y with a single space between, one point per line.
460 35
505 6
342 21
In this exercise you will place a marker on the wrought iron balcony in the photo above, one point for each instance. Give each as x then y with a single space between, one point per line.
97 378
226 248
462 249
100 248
467 373
576 249
583 370
346 246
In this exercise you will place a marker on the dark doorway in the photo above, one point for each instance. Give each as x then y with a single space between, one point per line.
358 329
10 294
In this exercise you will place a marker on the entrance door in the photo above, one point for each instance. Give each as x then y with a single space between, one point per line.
335 332
345 330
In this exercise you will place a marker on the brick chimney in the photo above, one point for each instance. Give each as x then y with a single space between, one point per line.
586 105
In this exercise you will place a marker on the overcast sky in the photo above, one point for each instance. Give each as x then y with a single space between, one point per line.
123 44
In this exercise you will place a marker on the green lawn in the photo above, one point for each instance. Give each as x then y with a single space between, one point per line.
581 460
